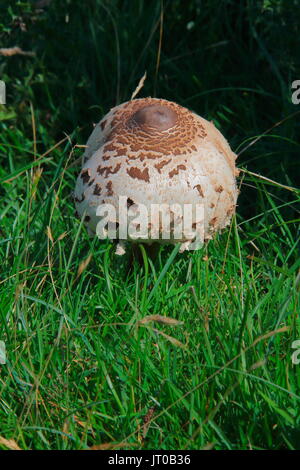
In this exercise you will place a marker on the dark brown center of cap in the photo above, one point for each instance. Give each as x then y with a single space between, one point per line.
156 116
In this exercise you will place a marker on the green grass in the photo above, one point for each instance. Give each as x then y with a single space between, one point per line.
85 366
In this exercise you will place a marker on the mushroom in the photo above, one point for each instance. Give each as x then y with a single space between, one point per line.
154 153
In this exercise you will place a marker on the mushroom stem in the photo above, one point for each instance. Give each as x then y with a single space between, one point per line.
152 250
137 256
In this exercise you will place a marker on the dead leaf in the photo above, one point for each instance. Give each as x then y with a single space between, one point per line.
49 234
10 51
160 319
147 420
112 445
62 236
65 429
83 265
172 340
139 87
208 446
9 443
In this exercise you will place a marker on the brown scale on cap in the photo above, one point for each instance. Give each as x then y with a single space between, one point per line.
148 126
81 199
107 170
139 174
213 221
175 171
129 202
161 164
102 124
85 175
109 189
97 189
199 189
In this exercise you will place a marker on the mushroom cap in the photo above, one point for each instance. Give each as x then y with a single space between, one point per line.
154 151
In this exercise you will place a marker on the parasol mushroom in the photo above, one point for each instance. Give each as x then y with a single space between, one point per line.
152 152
